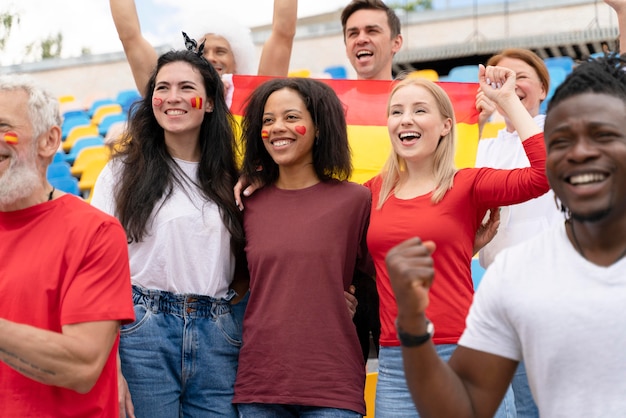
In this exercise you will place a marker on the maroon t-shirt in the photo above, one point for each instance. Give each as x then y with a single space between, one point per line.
300 346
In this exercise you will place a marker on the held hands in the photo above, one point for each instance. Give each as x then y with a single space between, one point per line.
497 84
485 107
410 268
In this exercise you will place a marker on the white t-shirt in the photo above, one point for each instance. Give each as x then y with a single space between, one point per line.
187 247
522 221
542 301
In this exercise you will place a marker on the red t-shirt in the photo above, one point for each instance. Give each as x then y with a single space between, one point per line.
63 262
451 224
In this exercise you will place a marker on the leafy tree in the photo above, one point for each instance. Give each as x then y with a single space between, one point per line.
7 21
49 47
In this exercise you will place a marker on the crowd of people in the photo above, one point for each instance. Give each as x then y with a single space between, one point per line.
197 286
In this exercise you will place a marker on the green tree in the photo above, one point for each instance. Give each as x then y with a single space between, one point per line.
412 6
50 47
7 21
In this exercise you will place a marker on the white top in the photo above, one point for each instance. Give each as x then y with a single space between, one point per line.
187 247
542 301
522 221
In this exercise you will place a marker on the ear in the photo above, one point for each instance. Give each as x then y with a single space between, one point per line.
447 127
208 108
544 94
49 142
396 44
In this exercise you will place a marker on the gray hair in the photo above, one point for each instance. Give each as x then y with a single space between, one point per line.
43 107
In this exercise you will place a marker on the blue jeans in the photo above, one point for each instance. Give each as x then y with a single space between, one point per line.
524 402
393 399
180 355
261 410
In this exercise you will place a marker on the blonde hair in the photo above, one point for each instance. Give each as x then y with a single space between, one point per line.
443 166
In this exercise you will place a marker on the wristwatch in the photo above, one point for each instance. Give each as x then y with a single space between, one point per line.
410 340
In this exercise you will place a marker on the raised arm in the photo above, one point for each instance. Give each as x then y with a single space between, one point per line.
277 49
620 8
498 85
141 56
473 383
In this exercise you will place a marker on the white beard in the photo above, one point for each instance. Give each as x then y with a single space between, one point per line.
20 180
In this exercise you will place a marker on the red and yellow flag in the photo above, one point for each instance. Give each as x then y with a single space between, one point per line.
366 114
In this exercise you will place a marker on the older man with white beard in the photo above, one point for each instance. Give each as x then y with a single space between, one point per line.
64 276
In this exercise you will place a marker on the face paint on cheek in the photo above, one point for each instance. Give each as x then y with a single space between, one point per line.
300 129
265 134
157 101
10 138
196 102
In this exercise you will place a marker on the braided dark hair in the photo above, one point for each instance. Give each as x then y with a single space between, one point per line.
604 75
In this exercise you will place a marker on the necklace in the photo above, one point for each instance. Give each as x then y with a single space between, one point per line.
579 248
51 193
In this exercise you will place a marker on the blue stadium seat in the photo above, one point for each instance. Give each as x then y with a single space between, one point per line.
566 63
462 73
68 184
59 157
557 76
477 272
127 97
109 120
98 103
58 170
71 122
337 72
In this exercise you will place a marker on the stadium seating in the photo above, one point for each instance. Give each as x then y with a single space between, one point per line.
87 155
71 122
428 74
127 97
105 110
68 184
462 73
98 103
337 72
108 120
370 393
89 176
78 132
60 169
88 141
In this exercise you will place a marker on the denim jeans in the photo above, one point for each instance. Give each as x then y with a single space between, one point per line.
180 355
524 402
393 399
260 410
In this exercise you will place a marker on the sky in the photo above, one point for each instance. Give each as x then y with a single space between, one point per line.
88 23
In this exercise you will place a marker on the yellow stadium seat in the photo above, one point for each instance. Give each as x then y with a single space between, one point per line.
370 393
428 74
105 110
304 73
66 99
87 155
89 176
79 132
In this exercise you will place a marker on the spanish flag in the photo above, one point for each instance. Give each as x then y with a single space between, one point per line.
10 138
366 114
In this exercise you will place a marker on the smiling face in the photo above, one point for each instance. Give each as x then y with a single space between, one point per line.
288 130
586 155
369 44
528 86
415 123
176 86
218 52
19 174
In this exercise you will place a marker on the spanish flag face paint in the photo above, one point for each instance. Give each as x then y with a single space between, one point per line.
196 102
265 134
10 138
